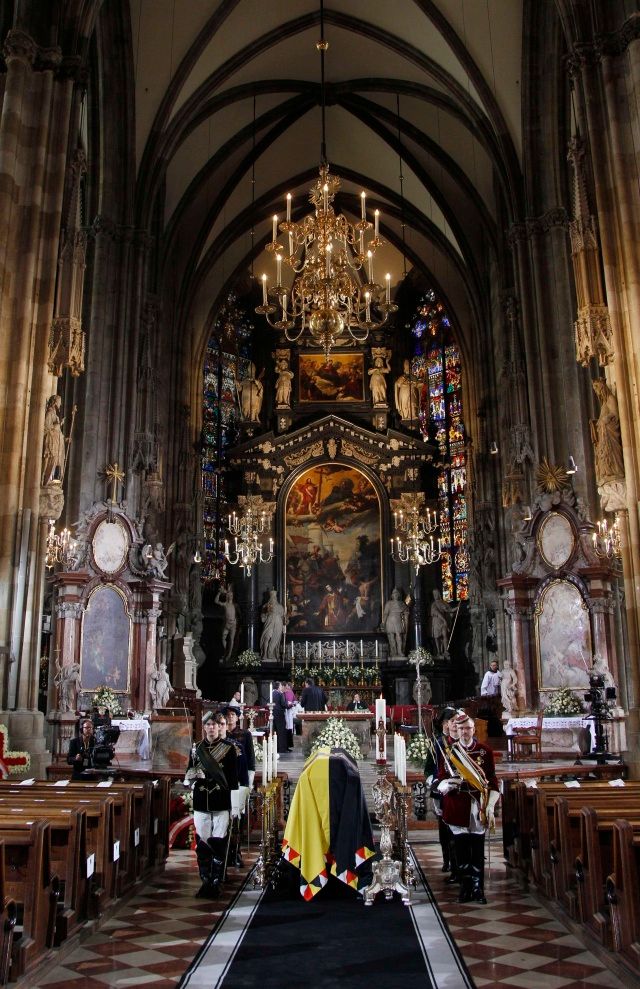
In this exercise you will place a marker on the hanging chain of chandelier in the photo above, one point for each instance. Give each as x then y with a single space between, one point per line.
247 529
414 542
334 291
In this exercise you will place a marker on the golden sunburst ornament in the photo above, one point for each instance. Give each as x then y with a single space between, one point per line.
551 477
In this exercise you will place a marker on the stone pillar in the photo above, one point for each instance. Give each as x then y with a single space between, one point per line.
146 612
517 594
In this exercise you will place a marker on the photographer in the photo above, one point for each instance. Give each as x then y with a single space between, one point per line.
81 750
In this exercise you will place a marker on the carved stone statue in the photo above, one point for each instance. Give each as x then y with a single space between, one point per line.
283 384
440 616
407 394
605 433
250 395
224 598
53 448
600 668
426 691
509 688
378 380
160 687
67 680
155 560
273 618
394 621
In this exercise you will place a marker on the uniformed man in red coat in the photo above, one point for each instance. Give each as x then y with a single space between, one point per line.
470 792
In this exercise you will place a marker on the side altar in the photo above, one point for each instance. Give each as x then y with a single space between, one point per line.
358 721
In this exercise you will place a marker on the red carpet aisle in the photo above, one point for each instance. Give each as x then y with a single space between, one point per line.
514 940
153 938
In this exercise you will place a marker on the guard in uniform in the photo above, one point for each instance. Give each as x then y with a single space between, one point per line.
470 791
213 774
441 739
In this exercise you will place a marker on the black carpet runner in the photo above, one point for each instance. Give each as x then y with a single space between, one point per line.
333 940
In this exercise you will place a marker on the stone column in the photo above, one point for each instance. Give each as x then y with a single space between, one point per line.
517 594
146 612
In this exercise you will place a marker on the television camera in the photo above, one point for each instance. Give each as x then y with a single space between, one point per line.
106 737
598 696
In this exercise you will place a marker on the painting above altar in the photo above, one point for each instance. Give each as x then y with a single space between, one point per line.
563 636
106 638
337 378
333 552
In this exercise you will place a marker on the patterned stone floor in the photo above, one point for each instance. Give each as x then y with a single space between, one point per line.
515 940
512 941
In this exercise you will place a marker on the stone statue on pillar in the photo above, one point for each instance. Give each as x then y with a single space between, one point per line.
250 394
224 598
394 621
273 619
509 688
54 445
440 617
607 442
160 687
67 680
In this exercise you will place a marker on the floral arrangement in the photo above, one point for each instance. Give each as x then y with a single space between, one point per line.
418 749
7 757
337 734
421 653
248 659
106 697
563 703
337 676
257 748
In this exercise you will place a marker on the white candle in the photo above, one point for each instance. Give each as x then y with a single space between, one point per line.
242 692
292 650
377 223
367 314
288 207
265 761
264 290
284 307
275 228
361 650
271 693
278 269
370 264
306 650
363 205
274 753
376 648
347 649
334 649
388 281
290 244
325 196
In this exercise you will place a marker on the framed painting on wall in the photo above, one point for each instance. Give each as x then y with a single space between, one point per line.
563 637
106 641
336 378
333 550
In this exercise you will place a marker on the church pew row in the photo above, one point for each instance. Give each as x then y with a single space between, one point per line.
8 920
34 888
585 855
623 892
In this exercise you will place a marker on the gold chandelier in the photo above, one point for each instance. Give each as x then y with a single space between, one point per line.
334 291
60 546
247 529
334 294
414 540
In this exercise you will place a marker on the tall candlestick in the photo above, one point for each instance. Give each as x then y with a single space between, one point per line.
271 693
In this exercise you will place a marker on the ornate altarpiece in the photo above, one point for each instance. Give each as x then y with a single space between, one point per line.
108 605
560 599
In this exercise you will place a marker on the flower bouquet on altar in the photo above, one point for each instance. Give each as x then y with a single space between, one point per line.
298 674
337 735
421 653
370 676
563 703
105 697
248 659
418 749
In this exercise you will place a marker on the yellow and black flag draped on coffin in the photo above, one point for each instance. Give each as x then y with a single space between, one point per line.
328 829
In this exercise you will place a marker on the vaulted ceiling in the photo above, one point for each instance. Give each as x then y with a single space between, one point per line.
228 121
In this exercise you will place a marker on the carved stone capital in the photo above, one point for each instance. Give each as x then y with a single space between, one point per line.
69 610
51 501
19 46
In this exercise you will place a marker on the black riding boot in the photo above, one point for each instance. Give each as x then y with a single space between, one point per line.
218 848
477 868
462 847
208 874
444 836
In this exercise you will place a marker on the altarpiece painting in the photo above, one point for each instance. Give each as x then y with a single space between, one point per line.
563 637
333 552
336 378
106 641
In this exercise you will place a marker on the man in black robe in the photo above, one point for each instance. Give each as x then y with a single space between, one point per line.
279 722
312 698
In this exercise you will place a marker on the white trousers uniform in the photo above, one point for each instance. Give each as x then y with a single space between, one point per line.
211 824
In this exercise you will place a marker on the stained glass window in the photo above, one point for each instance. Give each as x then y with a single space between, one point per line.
442 415
226 358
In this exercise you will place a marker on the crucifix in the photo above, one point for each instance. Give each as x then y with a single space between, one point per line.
418 661
115 476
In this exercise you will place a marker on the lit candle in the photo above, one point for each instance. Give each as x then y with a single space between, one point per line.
363 205
361 650
370 265
376 648
278 268
275 228
264 290
388 281
242 692
288 207
377 223
291 650
306 650
325 196
271 693
391 541
347 649
367 297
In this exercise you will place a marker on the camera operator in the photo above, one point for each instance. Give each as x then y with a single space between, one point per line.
81 749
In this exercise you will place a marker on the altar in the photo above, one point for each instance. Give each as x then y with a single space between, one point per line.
358 721
573 736
134 737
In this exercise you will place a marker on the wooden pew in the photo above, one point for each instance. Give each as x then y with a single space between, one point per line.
8 919
30 882
100 834
623 892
